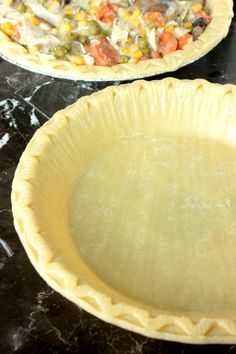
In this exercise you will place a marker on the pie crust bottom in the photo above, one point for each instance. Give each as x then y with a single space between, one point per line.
155 218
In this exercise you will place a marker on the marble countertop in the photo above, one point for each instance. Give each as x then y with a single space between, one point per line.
33 317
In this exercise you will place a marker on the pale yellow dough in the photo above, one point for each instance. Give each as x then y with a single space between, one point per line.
149 214
126 204
221 12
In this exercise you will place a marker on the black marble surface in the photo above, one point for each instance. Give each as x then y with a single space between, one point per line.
33 317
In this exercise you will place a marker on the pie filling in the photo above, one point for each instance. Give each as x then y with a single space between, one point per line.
103 32
156 219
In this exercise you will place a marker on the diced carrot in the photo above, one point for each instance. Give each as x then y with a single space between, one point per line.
150 16
158 54
185 39
105 13
101 10
103 53
168 42
108 17
155 54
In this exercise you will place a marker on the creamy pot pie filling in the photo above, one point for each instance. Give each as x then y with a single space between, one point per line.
103 32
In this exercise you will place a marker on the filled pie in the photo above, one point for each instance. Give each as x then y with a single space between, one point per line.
81 34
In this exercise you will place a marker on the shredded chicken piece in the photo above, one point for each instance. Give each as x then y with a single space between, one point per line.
40 11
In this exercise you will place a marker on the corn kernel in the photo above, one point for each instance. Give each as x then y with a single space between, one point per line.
6 25
7 2
34 49
135 14
188 25
65 27
196 7
135 47
142 32
82 23
77 59
34 20
93 9
127 17
54 31
7 28
135 23
126 50
136 52
81 16
123 12
169 28
68 11
9 32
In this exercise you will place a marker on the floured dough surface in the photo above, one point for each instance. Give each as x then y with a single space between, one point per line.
155 218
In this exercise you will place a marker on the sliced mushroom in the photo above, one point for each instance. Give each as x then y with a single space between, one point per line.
151 5
197 31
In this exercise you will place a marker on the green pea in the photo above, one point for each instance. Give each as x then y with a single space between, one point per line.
145 50
21 7
130 40
68 16
123 59
75 36
83 39
59 51
143 42
106 33
94 28
68 37
67 46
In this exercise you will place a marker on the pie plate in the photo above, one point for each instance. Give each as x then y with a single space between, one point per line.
125 203
221 12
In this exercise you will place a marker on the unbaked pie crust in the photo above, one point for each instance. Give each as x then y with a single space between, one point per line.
221 11
125 203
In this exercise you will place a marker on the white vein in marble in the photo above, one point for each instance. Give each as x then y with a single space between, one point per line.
4 140
35 90
33 118
8 107
6 247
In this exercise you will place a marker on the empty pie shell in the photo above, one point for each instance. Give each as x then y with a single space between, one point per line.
125 203
221 12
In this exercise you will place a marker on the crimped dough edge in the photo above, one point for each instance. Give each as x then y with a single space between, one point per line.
46 261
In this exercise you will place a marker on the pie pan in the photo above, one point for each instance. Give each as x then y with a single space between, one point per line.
221 11
125 203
